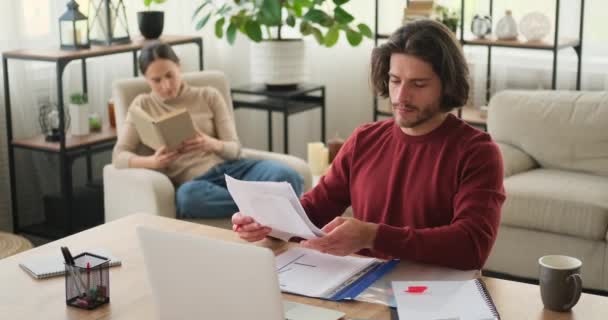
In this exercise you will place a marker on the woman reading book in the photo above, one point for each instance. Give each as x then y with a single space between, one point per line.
198 166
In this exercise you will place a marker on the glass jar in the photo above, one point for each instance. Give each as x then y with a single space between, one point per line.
111 115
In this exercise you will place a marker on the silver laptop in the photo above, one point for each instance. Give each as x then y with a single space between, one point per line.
194 277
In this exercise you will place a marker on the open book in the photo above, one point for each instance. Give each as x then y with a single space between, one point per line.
169 130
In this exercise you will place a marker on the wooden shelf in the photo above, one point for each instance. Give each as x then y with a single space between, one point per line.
107 134
473 116
522 44
56 54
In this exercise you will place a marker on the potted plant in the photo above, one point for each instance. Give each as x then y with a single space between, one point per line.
79 113
150 22
448 17
278 60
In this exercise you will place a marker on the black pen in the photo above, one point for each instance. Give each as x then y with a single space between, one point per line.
70 264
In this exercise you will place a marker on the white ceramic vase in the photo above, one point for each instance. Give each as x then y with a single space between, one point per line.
535 26
506 29
278 62
79 114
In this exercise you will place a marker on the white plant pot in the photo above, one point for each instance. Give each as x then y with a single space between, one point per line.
278 63
79 115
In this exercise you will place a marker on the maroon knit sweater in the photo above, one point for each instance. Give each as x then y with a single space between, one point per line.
436 197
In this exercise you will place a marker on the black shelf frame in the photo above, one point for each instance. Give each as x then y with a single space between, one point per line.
555 47
66 155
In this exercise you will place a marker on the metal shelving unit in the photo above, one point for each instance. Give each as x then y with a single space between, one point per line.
555 46
69 147
558 43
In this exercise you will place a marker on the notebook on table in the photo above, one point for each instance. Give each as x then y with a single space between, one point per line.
463 300
47 266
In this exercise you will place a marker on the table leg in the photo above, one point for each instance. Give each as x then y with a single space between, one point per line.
84 76
285 133
135 70
89 165
11 152
323 115
65 165
199 43
269 130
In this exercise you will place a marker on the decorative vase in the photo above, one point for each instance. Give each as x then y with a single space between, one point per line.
80 119
506 29
151 23
481 26
535 26
279 64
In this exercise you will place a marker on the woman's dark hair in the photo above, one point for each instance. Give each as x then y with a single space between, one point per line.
154 51
433 43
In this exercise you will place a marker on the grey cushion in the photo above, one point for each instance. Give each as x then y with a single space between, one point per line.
559 129
515 160
556 201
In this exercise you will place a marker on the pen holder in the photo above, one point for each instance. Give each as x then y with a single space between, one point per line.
87 282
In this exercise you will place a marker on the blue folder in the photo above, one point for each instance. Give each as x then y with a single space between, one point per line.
352 290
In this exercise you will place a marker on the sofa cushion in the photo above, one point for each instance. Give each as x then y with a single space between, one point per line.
557 201
559 129
515 160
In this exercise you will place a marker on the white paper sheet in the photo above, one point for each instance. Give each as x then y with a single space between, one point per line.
273 204
315 274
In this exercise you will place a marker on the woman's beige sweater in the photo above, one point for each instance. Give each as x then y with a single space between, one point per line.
209 114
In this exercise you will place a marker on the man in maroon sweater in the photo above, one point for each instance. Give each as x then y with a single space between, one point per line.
423 186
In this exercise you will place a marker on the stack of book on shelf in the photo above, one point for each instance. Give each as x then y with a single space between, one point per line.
418 9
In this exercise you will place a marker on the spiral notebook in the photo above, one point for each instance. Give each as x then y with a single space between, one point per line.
432 300
41 267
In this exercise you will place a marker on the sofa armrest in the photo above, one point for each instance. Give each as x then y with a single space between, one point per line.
515 160
128 191
299 165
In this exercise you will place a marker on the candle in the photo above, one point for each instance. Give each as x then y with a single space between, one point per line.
67 34
315 161
324 162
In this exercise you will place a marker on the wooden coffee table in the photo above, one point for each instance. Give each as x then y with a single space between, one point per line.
22 297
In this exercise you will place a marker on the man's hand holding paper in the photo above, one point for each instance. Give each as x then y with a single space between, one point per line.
272 205
344 236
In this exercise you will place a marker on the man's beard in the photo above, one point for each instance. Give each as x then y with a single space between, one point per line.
422 116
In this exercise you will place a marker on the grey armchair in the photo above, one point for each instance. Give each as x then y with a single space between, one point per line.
128 191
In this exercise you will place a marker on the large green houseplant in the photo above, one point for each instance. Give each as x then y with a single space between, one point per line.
323 19
277 60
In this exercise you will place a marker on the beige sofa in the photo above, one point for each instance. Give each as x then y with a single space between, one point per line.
128 191
555 150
